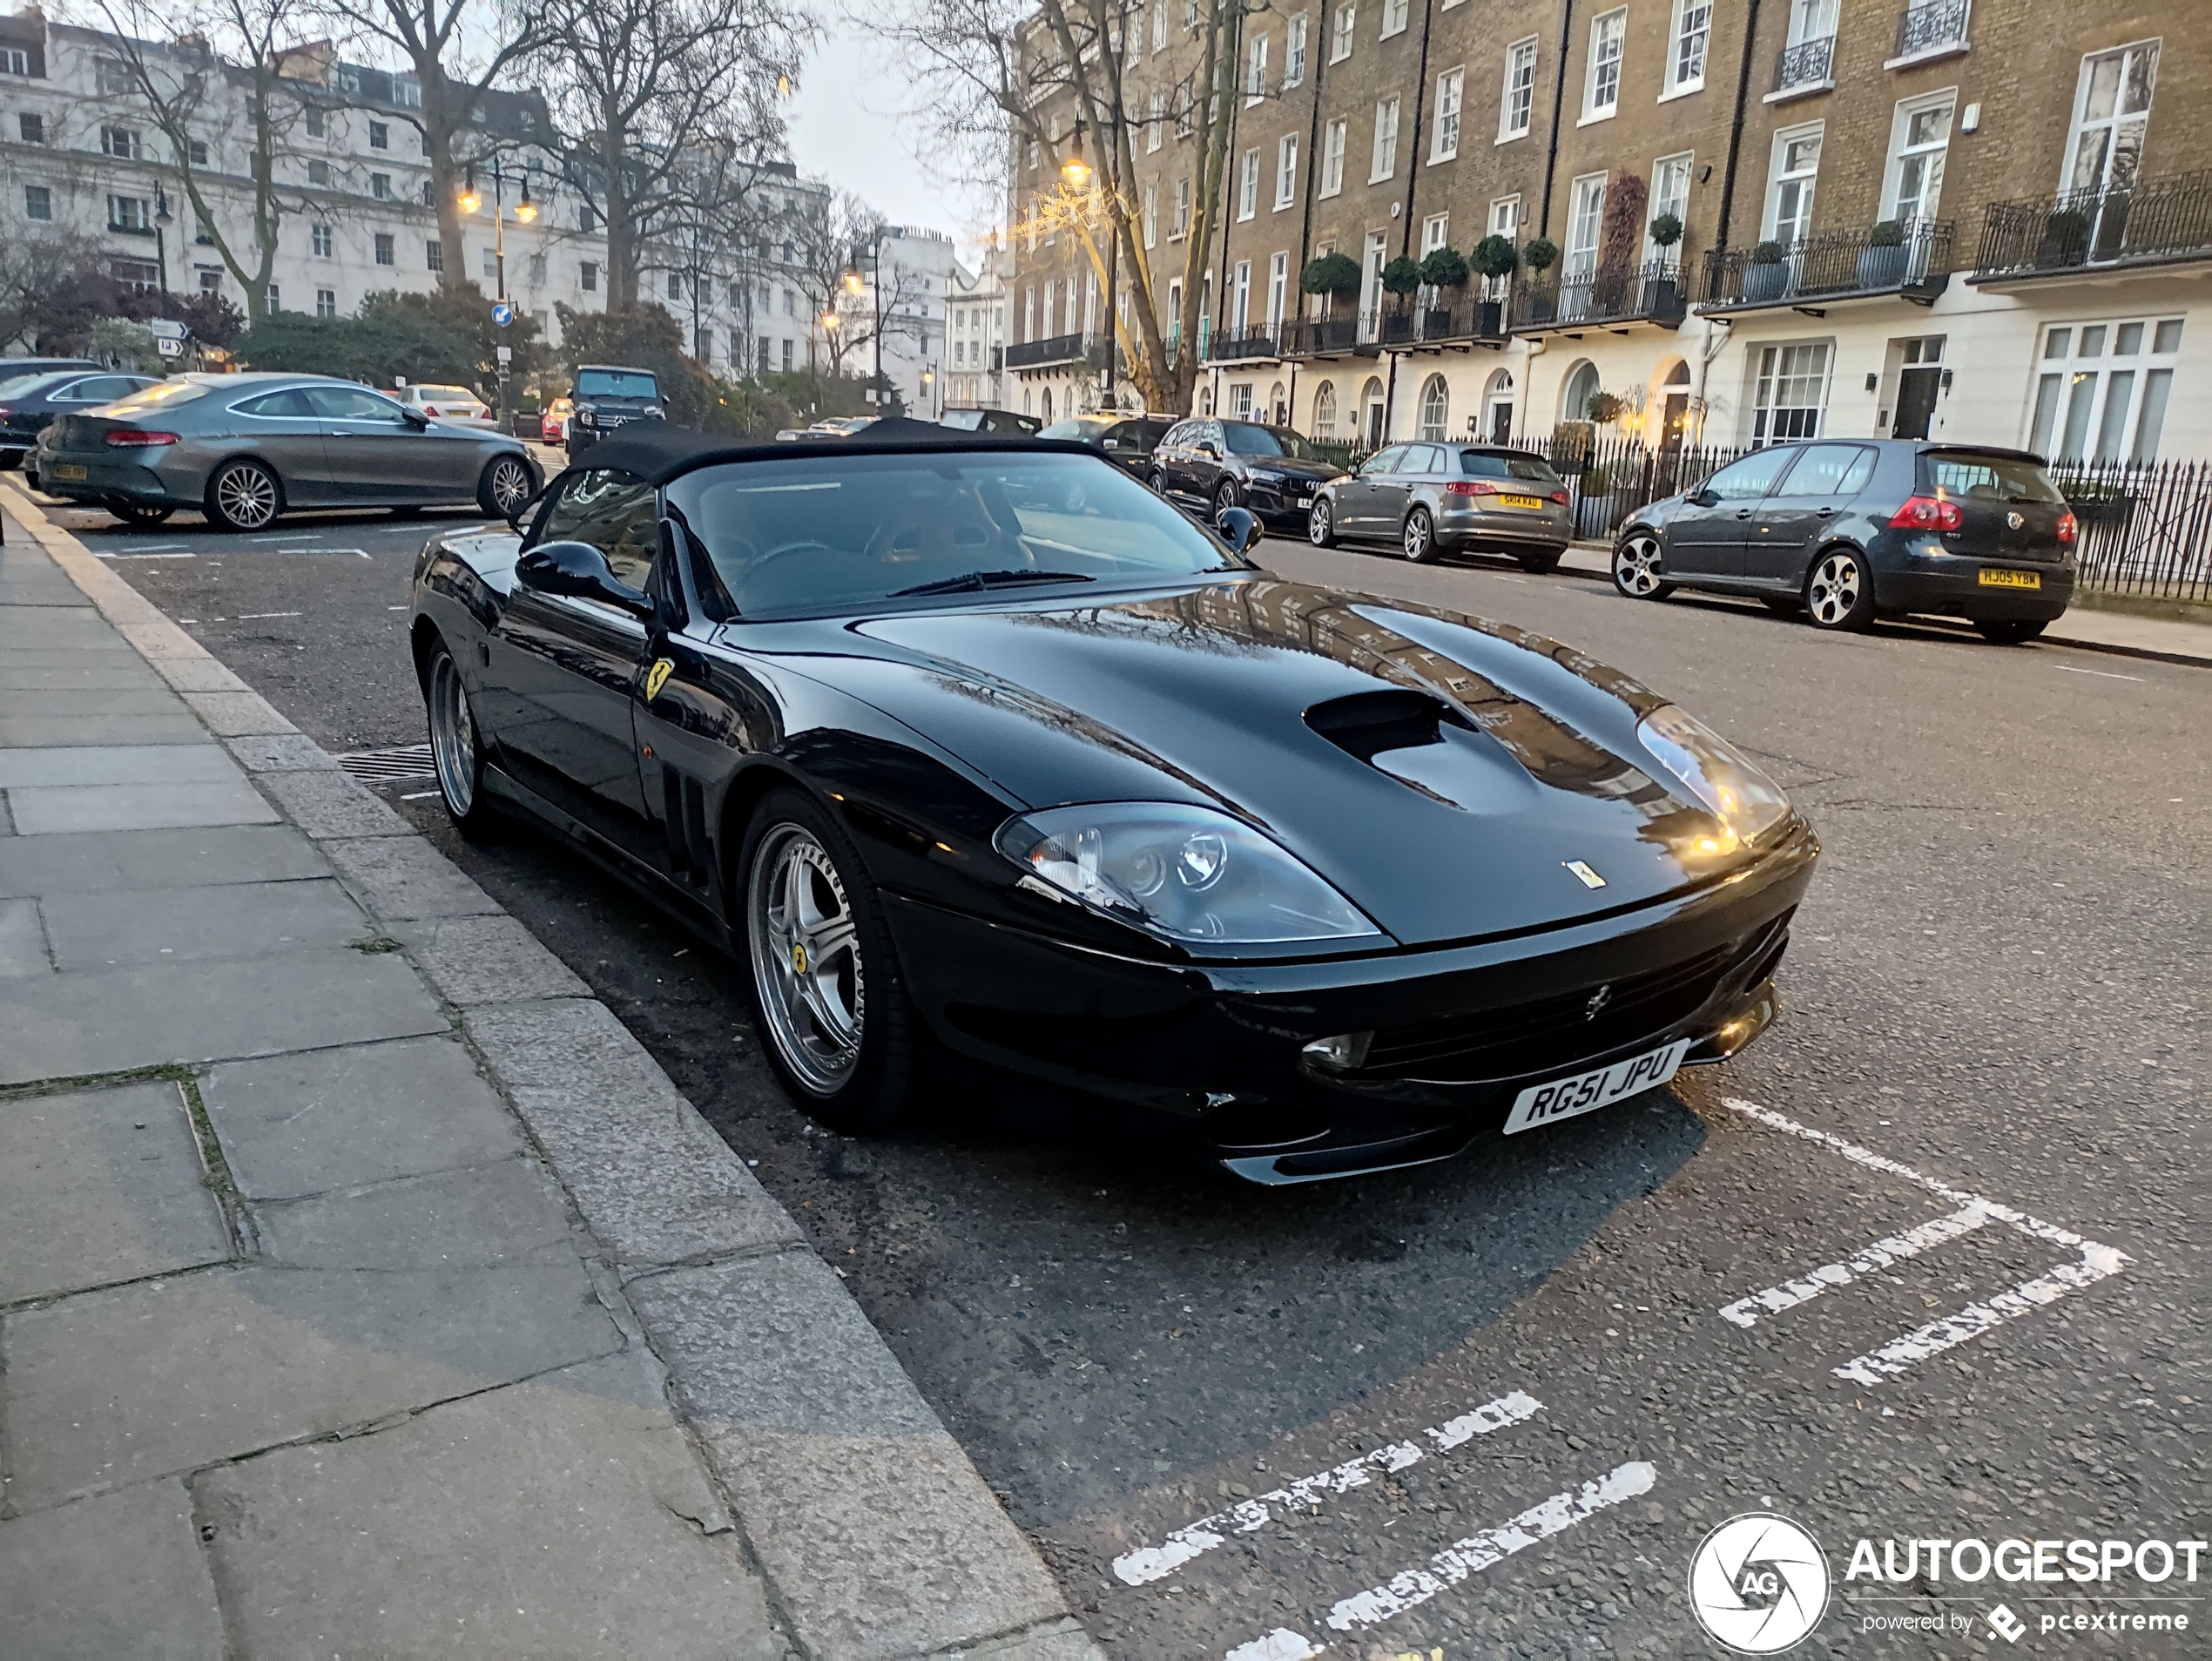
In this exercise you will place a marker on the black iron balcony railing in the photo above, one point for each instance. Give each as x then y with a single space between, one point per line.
2158 223
1036 354
1646 293
1912 261
1243 345
1454 318
1806 64
1321 337
1931 27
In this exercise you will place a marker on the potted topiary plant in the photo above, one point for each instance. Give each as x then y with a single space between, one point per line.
1444 270
1766 276
1666 281
1333 275
2065 239
1496 258
1881 262
1538 253
1605 408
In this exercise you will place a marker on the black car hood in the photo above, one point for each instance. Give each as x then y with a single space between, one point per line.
1290 467
1459 826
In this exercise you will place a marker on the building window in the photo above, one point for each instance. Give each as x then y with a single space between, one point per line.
120 142
1386 153
1582 385
1918 142
434 254
1186 104
786 357
37 202
1395 13
128 213
318 174
317 127
1278 290
1294 52
211 282
588 276
1669 194
703 346
385 255
1585 215
1155 118
1436 231
14 60
1240 298
380 135
31 129
1446 143
2101 390
1340 33
203 232
1609 38
1248 184
1159 24
272 297
1791 173
319 241
2111 110
1435 409
1285 170
196 152
537 270
1693 35
1182 208
1151 213
1332 147
326 302
1256 70
380 186
114 79
1792 393
1520 102
1324 412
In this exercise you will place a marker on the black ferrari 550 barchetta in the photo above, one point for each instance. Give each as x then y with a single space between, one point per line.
976 742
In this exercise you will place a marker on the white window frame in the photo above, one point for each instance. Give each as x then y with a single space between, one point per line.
1248 184
1335 137
1155 120
1285 170
1278 289
322 242
1607 62
1294 51
1767 363
1585 207
2081 124
1240 298
1396 14
1902 151
1341 31
1690 36
1256 70
1769 221
1180 225
1519 83
1382 162
2069 416
1159 24
1451 89
1152 213
1683 163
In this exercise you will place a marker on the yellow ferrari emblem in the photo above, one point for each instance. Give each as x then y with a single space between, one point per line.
657 678
798 958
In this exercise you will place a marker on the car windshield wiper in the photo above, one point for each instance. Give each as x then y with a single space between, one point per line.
968 580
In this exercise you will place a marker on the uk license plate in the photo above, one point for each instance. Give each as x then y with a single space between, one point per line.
1995 576
1521 501
1305 502
1564 1098
68 470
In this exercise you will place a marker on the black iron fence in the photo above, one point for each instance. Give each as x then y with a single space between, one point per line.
1058 349
2146 527
1913 260
1609 477
2147 224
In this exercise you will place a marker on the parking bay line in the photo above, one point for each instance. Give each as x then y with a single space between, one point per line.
2097 1262
1187 1544
1457 1560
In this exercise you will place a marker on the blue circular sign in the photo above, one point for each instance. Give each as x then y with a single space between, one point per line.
503 313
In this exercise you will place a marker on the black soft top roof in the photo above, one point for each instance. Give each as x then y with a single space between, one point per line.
657 452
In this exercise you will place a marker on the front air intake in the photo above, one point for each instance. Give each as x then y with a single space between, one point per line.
1366 724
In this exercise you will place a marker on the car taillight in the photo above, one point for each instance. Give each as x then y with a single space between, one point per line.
2069 527
430 409
1470 486
1927 513
136 438
1560 496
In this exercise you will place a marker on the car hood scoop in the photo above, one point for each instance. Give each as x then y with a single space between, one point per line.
1441 770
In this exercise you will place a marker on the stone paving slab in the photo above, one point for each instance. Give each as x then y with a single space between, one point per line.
334 804
102 1185
476 1217
118 763
75 673
93 930
358 1114
401 1543
58 809
197 675
121 1577
24 732
23 939
114 1387
232 714
487 960
158 859
279 752
110 1020
403 879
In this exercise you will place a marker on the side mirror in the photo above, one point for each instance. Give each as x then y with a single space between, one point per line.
1240 528
579 571
1211 452
414 418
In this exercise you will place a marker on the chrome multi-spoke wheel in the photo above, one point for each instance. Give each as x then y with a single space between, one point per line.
506 485
1637 563
243 496
1836 592
1420 537
1320 528
453 736
807 959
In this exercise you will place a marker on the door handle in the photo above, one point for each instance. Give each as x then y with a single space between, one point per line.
1743 513
1826 513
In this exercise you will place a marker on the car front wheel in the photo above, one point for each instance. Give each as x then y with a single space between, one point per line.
1224 497
506 485
1838 592
455 750
1321 524
1637 562
243 495
1420 537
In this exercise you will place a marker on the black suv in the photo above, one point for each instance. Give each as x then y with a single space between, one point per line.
609 396
1241 464
1004 422
1129 442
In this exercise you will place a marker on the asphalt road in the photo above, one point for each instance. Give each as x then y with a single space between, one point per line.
1997 984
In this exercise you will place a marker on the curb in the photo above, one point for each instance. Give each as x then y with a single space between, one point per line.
873 1532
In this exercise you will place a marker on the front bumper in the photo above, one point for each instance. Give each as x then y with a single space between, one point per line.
1217 1050
1282 503
1951 585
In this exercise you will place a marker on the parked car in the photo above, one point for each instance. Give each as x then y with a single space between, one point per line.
607 398
456 404
1844 532
245 447
16 368
1241 464
982 745
1429 499
28 402
1005 422
1128 440
553 424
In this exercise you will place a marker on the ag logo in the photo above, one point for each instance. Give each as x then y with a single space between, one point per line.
1758 1584
657 678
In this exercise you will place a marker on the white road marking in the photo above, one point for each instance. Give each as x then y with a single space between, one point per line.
290 536
154 547
149 556
2102 674
2097 1262
1894 1248
1459 1561
255 617
1247 1516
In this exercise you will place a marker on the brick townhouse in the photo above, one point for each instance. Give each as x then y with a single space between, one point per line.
1990 220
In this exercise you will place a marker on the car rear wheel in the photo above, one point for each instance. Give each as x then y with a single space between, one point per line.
1159 482
1418 538
454 753
1541 562
1224 497
506 484
132 514
243 495
1638 561
826 981
2008 631
1321 524
1838 592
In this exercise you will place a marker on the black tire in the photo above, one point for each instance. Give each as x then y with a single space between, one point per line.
1784 605
456 748
1417 539
1638 558
2008 631
506 483
1159 482
1839 591
1321 524
1541 562
132 514
873 1092
243 495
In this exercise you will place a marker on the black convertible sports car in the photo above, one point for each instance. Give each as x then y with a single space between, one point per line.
976 742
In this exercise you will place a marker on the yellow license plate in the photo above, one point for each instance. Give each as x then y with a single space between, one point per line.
1521 501
1991 577
69 471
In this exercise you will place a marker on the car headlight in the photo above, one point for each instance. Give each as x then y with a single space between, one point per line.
583 418
1184 872
1731 786
655 409
1259 477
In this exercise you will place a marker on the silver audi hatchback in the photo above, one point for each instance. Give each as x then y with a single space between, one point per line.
1433 498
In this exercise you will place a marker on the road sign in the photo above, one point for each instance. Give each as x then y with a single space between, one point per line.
506 355
503 313
168 347
166 329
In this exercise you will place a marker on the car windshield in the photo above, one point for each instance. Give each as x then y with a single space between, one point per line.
162 395
616 383
828 533
1489 464
1986 478
1250 438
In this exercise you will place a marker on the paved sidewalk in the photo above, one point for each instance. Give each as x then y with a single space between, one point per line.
364 1286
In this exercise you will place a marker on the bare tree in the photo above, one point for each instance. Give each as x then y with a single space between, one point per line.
643 86
1065 77
209 78
834 259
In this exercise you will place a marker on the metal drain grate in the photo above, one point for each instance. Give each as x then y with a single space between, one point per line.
402 763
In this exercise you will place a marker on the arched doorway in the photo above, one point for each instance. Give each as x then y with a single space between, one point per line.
1435 408
1047 411
1324 412
1278 406
1205 401
1371 405
1025 400
1497 407
1674 407
1582 385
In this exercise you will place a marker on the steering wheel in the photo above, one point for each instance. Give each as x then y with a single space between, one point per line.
785 551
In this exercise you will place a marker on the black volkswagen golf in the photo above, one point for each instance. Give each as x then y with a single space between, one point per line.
1843 531
976 745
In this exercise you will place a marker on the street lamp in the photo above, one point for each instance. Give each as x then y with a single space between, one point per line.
161 233
852 285
470 200
1078 175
